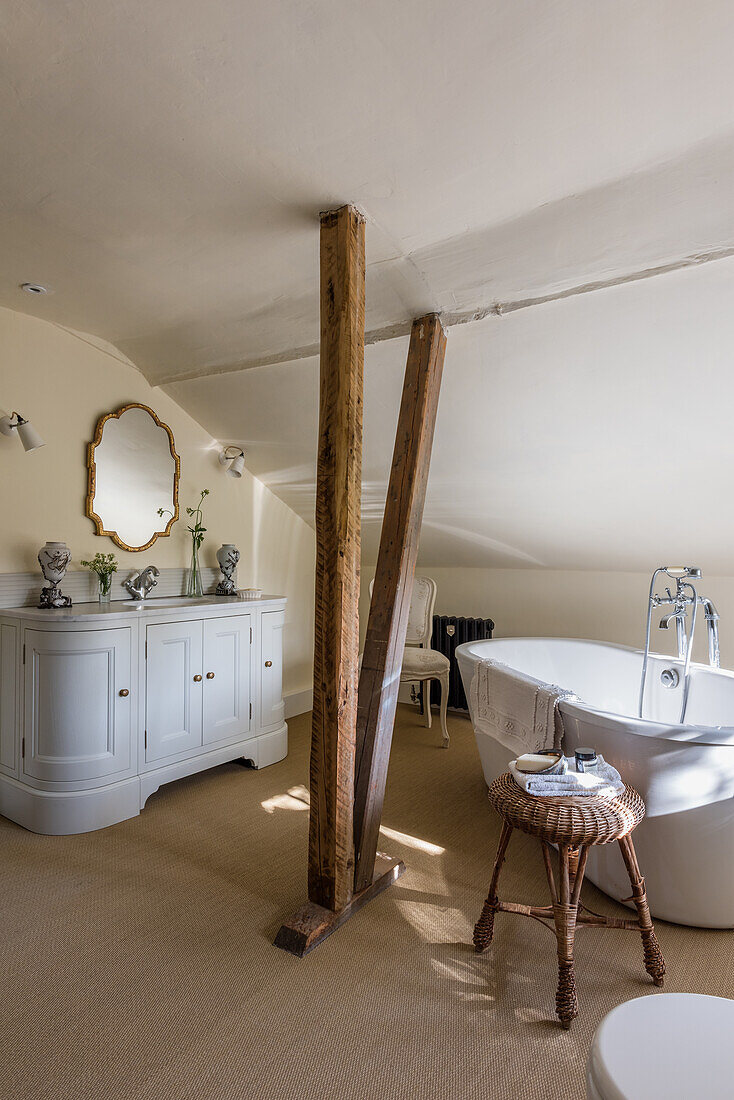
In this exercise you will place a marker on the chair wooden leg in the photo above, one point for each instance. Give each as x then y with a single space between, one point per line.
484 928
444 683
654 961
564 915
426 685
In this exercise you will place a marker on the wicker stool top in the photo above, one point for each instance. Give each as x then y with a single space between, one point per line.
567 820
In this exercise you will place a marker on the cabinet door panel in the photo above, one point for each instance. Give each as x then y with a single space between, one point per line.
272 709
173 698
77 725
227 678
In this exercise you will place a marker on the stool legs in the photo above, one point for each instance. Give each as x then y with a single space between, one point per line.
568 912
654 961
484 928
565 907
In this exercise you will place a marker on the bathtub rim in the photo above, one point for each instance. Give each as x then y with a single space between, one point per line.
720 736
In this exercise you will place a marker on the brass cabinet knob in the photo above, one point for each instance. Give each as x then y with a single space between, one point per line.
210 675
197 678
268 664
124 692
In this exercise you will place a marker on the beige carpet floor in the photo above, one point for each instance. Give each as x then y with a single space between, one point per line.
137 961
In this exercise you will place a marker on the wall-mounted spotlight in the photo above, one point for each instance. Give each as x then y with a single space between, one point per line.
235 457
27 434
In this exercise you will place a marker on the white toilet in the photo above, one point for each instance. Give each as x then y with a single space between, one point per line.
667 1046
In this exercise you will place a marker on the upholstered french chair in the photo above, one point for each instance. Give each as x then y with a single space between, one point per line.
421 664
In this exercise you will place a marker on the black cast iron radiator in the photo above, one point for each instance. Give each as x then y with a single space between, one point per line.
448 632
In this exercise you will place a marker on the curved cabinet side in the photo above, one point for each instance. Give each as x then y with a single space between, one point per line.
77 722
9 692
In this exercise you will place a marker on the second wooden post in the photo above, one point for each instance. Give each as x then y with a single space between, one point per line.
388 620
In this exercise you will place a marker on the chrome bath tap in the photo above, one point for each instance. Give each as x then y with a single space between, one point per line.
712 623
684 597
680 628
140 586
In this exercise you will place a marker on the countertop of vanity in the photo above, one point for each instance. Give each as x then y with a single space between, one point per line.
176 606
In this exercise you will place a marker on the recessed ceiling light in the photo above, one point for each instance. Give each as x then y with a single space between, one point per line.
34 288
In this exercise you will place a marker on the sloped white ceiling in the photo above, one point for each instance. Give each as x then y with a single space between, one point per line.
590 433
164 166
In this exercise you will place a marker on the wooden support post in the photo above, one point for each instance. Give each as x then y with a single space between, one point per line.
335 891
388 619
336 650
338 497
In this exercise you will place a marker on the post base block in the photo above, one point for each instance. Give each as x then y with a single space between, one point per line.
311 924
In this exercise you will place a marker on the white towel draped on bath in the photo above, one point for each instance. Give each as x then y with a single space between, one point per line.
520 712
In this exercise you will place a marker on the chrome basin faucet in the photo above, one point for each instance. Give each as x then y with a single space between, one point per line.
140 586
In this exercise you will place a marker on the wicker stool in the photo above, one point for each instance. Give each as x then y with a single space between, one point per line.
573 824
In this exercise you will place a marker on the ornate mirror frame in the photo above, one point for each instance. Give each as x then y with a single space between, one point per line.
92 478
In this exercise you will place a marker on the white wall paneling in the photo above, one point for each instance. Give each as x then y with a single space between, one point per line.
23 589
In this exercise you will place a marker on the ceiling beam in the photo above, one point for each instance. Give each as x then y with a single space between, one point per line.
451 319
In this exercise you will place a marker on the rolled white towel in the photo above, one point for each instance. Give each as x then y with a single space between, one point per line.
605 781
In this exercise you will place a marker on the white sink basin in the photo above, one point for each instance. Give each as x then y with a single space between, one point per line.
152 604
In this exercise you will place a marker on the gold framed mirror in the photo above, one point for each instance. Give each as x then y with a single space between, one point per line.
133 472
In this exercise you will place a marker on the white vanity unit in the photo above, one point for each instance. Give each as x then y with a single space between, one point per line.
101 704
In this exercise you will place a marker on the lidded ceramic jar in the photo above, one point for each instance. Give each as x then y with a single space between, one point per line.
54 559
227 555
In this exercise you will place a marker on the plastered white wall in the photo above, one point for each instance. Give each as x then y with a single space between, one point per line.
570 604
63 384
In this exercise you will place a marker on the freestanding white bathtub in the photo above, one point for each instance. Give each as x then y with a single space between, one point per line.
685 774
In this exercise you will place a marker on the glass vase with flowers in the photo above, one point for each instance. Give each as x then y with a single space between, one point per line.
104 566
